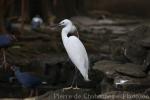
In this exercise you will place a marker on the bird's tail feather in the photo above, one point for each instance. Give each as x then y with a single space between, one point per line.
86 78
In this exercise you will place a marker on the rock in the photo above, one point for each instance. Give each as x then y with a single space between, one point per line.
99 14
106 85
95 25
93 58
147 91
117 49
123 83
106 21
126 83
110 68
138 33
147 62
132 70
145 42
105 49
122 95
120 40
96 78
107 67
117 76
135 53
83 20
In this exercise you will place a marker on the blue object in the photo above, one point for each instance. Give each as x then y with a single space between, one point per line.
6 41
26 79
35 25
36 22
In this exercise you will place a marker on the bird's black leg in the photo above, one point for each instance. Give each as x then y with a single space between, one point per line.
75 75
74 78
31 92
4 58
36 92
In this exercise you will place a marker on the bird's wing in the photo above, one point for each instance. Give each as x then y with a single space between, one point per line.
5 40
74 30
78 55
30 77
27 79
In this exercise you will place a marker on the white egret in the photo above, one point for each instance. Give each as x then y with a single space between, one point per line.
75 49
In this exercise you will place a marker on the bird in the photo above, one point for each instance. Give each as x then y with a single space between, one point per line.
6 40
36 22
27 80
75 50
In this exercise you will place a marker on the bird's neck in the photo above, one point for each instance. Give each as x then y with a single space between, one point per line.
65 31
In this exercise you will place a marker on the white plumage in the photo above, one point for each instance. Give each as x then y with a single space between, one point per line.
75 49
37 19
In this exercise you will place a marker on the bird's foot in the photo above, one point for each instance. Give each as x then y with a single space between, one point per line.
68 88
76 88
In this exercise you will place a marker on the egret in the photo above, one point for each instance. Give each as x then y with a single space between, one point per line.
6 40
27 80
75 50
